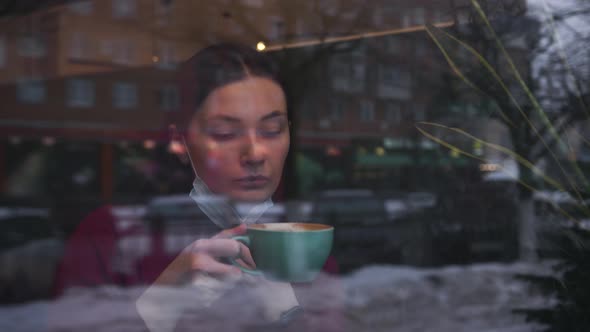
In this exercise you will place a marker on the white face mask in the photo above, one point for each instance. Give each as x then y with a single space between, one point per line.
219 208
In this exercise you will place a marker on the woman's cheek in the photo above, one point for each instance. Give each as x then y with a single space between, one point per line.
214 160
213 156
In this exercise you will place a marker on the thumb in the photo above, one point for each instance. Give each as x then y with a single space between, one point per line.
227 233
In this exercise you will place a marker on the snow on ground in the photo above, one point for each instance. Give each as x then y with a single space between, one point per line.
376 298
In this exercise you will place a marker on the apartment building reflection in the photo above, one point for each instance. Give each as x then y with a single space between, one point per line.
89 86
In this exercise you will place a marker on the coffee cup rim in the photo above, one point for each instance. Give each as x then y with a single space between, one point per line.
327 227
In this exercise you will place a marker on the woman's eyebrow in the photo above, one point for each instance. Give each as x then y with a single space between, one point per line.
273 114
225 118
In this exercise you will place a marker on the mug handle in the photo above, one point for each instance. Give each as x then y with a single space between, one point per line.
245 240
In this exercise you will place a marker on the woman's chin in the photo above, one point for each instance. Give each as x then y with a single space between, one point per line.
250 196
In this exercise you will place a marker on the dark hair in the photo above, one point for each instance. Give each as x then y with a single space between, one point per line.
218 65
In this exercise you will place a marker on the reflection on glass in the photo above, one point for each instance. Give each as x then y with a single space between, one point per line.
464 165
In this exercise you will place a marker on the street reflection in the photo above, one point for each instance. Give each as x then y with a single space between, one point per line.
446 142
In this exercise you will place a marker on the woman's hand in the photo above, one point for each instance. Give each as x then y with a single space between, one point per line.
203 256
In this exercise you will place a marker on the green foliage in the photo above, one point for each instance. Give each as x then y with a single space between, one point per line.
569 289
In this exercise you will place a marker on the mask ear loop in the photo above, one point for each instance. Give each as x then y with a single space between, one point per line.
175 135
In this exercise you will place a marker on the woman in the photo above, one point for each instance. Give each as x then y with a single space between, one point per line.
236 131
237 137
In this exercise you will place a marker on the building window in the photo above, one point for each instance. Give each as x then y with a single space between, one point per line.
440 16
166 55
82 7
32 45
340 75
2 52
124 95
329 7
300 27
367 111
358 49
237 28
337 109
406 19
421 48
393 113
462 17
79 46
340 68
392 75
277 28
419 16
419 112
124 8
348 76
164 9
169 98
124 52
394 82
358 72
31 91
378 18
393 44
80 93
106 47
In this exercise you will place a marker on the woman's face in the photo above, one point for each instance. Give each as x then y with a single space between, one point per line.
239 139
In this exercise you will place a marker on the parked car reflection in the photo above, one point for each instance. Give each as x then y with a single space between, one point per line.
30 248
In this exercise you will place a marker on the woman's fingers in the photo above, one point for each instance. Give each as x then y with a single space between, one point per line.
205 263
224 248
246 256
203 252
217 247
228 233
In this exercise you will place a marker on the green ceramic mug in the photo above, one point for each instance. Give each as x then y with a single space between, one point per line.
290 252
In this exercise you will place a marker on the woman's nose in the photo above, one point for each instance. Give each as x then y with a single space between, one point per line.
253 151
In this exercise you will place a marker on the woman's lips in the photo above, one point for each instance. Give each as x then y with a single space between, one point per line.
253 182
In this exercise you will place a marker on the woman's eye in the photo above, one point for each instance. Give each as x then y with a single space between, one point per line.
221 134
272 130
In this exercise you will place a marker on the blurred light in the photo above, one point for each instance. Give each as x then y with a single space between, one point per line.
455 153
48 141
478 148
176 148
427 144
15 140
380 151
388 143
260 46
333 151
489 167
155 58
149 144
306 208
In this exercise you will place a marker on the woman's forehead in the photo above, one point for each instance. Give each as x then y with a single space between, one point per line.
251 98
